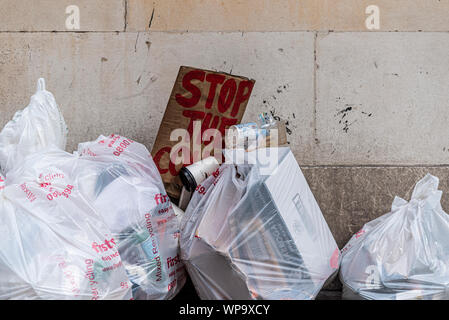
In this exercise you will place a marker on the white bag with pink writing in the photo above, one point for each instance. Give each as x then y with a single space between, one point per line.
48 228
96 224
122 182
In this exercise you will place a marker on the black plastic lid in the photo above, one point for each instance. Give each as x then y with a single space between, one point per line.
187 179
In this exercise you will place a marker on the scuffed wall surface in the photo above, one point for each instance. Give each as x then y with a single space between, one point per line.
367 110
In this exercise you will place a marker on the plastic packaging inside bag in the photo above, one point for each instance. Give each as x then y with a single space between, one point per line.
95 224
248 235
402 255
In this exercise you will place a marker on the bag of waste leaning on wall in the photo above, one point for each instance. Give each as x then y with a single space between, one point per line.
402 255
48 230
120 179
254 231
98 222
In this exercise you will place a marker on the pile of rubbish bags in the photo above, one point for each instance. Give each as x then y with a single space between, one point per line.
98 224
95 224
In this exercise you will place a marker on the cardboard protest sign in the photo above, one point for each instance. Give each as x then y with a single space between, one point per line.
212 100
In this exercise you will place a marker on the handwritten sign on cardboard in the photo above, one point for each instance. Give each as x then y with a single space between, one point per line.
216 99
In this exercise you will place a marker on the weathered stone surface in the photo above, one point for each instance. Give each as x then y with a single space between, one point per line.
392 83
382 98
285 15
92 75
107 82
50 15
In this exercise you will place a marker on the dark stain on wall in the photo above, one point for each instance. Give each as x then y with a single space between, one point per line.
350 114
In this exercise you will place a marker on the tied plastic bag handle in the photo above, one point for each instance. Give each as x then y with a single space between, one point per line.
398 202
41 84
38 126
426 190
425 187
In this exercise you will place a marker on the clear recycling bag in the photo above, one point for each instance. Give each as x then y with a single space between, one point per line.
250 233
402 255
96 224
48 228
120 180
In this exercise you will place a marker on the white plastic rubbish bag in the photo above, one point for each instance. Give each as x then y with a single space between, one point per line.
38 126
119 178
49 231
96 224
248 235
402 255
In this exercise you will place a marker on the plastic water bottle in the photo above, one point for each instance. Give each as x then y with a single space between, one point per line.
251 135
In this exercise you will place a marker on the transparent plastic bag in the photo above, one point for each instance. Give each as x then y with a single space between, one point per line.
48 229
32 129
247 235
120 179
402 255
96 224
